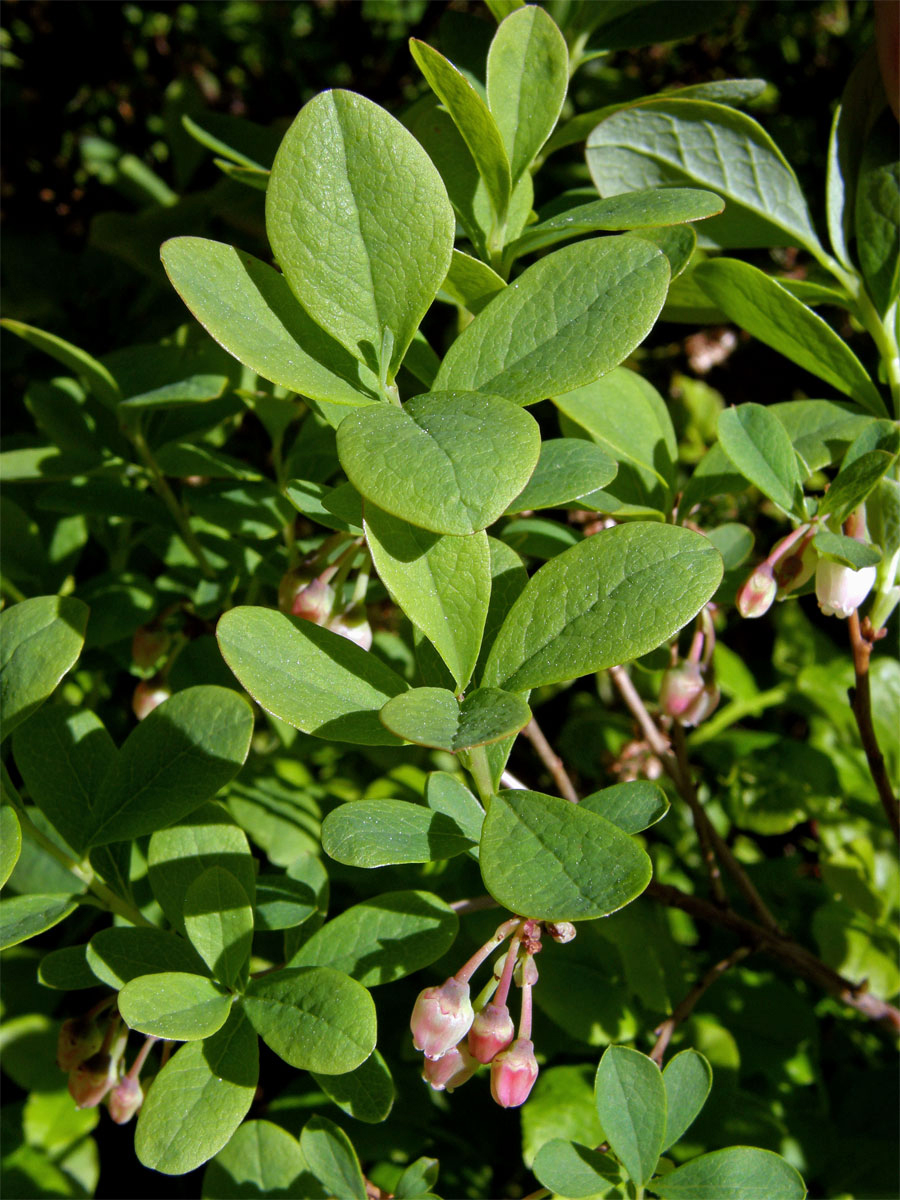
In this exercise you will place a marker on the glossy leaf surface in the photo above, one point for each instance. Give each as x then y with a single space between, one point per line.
218 920
631 1104
758 445
736 1173
374 833
366 1094
605 601
434 717
581 866
180 1007
40 640
687 1079
315 680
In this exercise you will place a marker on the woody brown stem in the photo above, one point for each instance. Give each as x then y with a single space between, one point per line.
551 760
683 1010
861 641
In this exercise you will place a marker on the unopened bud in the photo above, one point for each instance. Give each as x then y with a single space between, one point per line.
526 971
451 1070
561 931
148 646
125 1099
354 625
795 569
441 1017
513 1073
91 1080
840 590
702 706
680 687
79 1038
757 593
147 696
492 1031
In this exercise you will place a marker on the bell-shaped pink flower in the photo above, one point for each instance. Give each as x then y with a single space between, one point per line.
704 704
680 687
147 696
513 1073
441 1017
451 1070
125 1099
79 1038
492 1031
354 625
839 589
757 593
91 1080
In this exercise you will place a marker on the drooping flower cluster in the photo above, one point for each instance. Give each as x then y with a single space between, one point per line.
457 1035
91 1048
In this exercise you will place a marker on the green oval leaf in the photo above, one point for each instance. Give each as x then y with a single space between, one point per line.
376 833
174 761
565 321
384 938
527 80
631 1104
448 462
118 955
580 866
764 308
757 443
10 841
174 1005
40 640
64 755
366 1094
283 902
434 717
92 372
645 208
330 1156
311 678
569 469
249 308
611 598
315 1018
632 806
687 1079
853 483
198 1099
710 145
67 969
443 584
218 920
846 550
736 1173
261 1159
571 1170
23 917
360 224
472 118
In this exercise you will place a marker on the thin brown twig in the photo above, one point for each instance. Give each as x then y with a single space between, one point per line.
861 641
678 768
551 760
785 949
702 824
461 907
683 1010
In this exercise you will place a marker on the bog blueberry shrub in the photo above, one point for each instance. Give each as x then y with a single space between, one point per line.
470 497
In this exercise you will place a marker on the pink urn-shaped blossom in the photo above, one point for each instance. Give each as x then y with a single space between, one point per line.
91 1080
839 589
451 1070
125 1099
147 696
492 1031
353 625
681 686
79 1038
441 1017
513 1073
757 593
702 705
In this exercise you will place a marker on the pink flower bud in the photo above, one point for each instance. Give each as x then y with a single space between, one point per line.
561 931
513 1073
681 686
125 1099
492 1031
148 646
795 569
839 589
451 1070
757 593
702 706
526 971
147 696
354 625
79 1038
314 603
441 1016
91 1080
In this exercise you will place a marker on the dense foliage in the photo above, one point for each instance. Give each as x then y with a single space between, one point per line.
503 391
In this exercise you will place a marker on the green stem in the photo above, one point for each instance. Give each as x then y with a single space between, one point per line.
81 870
165 493
480 770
